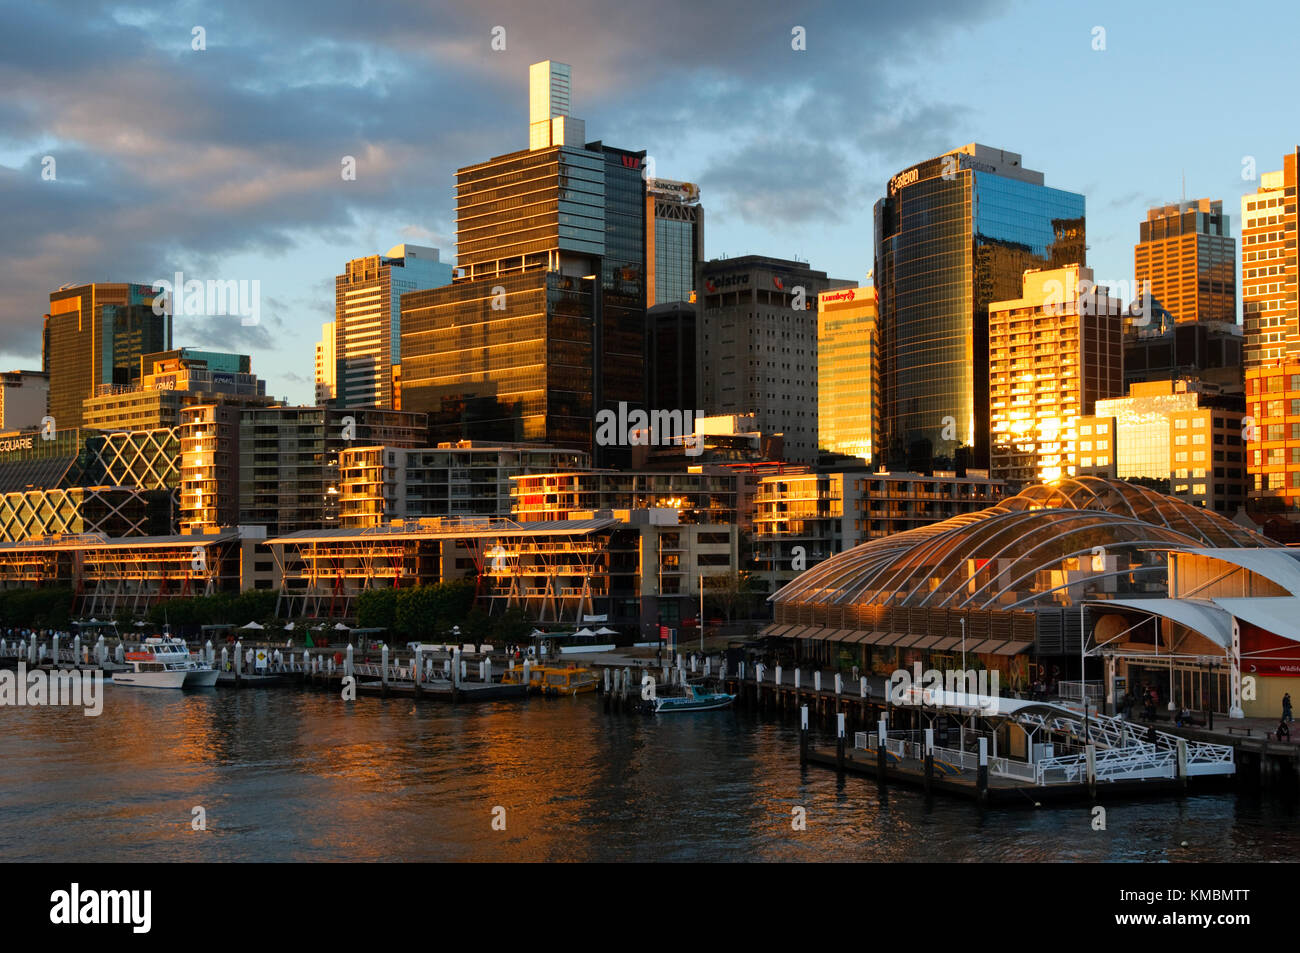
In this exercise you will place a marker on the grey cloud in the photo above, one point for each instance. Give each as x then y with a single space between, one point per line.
170 157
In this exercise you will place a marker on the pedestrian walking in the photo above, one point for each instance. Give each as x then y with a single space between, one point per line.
1286 708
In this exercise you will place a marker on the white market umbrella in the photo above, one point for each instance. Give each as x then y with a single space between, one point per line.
340 627
252 625
605 630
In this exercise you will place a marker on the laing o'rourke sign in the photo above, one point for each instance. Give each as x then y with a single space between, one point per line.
658 428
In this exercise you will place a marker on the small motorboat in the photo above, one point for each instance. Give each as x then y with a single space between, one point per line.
692 700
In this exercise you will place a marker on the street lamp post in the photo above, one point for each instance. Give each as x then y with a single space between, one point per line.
701 613
963 646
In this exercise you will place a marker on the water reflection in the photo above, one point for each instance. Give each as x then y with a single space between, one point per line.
289 775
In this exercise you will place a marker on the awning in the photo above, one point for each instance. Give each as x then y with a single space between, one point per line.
773 631
1013 647
840 635
892 638
946 644
1279 564
1279 615
1200 616
858 637
908 641
797 631
984 647
927 641
873 637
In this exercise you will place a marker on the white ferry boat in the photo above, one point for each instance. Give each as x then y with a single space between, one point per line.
147 671
159 660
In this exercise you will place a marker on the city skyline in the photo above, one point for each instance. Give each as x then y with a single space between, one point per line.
788 156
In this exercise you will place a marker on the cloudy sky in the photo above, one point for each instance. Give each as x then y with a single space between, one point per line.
225 162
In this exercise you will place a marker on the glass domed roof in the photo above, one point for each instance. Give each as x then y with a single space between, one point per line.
1044 540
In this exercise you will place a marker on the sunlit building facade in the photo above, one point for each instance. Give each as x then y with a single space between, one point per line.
381 484
848 365
545 324
368 321
1178 437
1270 270
1053 353
955 233
169 381
95 334
1269 267
326 366
1186 257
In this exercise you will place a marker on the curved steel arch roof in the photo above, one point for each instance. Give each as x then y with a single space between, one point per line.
977 560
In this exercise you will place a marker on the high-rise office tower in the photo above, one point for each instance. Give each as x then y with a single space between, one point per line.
674 240
848 368
1269 274
95 334
546 323
326 366
1268 267
758 346
1187 253
954 233
368 320
1053 353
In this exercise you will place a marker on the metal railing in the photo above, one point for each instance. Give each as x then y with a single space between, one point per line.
1069 691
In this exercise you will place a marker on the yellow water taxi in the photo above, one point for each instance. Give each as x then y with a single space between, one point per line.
554 680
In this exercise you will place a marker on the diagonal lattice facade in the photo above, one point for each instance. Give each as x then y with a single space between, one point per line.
113 511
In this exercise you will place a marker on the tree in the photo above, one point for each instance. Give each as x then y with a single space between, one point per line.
377 609
736 591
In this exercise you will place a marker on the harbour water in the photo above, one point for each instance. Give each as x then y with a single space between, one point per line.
296 775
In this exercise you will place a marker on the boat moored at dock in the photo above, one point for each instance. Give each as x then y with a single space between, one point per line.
692 700
148 671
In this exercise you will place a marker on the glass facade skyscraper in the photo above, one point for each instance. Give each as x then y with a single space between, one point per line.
95 335
847 385
953 234
545 324
368 320
674 240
